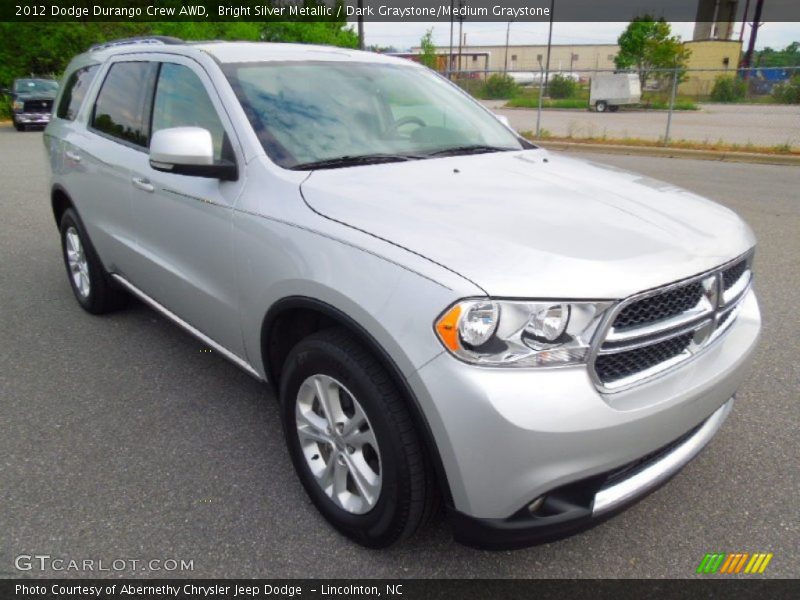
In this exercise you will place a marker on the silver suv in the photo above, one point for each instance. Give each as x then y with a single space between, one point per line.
446 312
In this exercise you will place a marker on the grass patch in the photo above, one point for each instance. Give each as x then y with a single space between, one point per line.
533 102
530 99
719 146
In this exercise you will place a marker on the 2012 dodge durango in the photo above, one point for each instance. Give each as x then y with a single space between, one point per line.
448 314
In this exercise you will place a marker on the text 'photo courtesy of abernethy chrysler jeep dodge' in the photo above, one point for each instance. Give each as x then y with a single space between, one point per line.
450 316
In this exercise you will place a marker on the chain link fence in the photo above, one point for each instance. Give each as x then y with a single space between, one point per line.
754 109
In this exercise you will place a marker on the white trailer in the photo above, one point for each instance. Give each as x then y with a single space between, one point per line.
609 91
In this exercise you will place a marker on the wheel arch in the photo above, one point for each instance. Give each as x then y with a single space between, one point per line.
60 201
292 318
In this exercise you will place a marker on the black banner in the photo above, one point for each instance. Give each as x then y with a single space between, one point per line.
389 10
368 589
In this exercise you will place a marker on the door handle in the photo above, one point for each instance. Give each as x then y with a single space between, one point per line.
143 183
73 156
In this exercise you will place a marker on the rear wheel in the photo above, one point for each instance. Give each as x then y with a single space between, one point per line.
90 283
613 108
352 440
601 106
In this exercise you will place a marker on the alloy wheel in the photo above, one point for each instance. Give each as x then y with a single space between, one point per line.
339 444
78 265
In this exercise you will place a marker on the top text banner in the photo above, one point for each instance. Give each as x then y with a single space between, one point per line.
386 10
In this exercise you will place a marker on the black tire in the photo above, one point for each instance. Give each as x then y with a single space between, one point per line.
408 495
601 106
102 295
19 126
613 108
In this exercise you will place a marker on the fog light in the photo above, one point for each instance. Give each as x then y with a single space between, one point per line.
536 505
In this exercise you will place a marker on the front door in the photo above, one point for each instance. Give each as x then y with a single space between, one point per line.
183 223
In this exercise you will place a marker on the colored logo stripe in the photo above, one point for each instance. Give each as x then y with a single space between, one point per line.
724 563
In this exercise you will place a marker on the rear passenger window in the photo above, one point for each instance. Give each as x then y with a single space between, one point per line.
75 91
182 101
122 109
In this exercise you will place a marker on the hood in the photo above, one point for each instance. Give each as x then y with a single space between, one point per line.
534 225
24 96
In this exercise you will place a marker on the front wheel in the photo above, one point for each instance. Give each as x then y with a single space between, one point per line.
352 440
19 126
601 106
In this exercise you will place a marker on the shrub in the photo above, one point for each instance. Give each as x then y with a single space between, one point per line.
499 86
789 92
728 89
474 87
562 87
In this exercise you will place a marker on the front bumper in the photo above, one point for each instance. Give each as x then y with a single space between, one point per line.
509 436
581 505
32 118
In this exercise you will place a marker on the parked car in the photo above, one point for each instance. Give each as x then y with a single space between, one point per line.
32 102
609 91
446 312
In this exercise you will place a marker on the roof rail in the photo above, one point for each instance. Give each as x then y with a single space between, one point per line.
151 39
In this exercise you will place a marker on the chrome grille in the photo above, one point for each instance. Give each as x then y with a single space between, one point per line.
656 330
612 367
37 106
732 274
660 307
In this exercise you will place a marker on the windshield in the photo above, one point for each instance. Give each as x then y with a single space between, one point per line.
323 112
35 86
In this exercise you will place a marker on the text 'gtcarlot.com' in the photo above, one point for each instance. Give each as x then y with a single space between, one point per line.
46 562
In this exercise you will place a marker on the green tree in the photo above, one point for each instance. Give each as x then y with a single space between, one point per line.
647 44
427 55
788 57
46 48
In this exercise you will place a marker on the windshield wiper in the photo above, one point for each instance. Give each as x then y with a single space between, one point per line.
353 160
470 149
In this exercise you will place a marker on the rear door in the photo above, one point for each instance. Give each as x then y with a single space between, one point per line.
183 223
116 134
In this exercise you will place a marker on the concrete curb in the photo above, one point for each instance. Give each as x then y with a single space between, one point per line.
666 152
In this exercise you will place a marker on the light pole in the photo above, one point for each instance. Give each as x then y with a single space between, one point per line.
450 55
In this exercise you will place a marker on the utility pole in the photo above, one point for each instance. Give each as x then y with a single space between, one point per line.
450 55
549 44
508 35
460 37
751 46
744 19
360 24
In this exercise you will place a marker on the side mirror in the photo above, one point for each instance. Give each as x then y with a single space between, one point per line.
189 151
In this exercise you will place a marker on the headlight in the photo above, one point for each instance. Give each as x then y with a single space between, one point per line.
511 333
17 105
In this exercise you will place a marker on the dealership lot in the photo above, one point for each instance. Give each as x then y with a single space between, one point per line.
124 439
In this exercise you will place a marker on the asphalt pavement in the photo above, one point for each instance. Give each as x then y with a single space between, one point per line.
120 439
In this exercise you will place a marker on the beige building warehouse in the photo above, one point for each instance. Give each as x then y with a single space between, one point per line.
713 58
563 57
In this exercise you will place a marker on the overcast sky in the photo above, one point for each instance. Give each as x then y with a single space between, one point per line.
404 35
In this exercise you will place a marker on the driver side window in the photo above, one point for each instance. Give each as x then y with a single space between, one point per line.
182 101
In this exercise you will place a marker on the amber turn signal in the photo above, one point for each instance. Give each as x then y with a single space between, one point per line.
447 328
